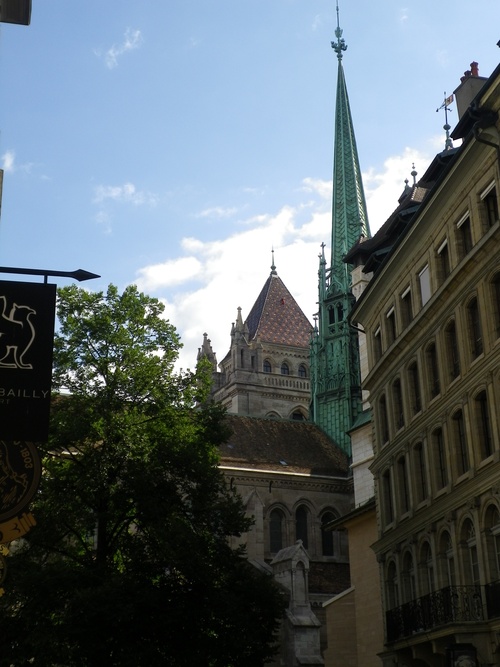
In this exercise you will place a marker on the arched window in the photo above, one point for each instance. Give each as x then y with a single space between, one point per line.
492 530
397 404
427 568
327 535
420 472
301 525
460 442
302 371
298 416
432 370
482 423
469 553
276 530
285 370
384 422
392 586
453 356
475 330
447 560
413 376
440 463
409 588
267 366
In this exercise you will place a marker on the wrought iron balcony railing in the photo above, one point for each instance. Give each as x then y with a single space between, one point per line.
453 604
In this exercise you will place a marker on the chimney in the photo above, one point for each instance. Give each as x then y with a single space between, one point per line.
470 84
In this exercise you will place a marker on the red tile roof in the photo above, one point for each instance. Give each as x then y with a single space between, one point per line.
277 318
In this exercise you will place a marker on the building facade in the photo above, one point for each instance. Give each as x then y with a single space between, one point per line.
431 314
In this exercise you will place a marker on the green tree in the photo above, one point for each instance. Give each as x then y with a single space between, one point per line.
129 563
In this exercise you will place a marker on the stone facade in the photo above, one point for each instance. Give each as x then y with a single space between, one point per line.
431 314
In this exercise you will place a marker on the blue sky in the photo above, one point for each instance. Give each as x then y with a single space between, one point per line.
173 143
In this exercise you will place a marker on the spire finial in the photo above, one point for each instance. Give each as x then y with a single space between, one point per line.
340 44
448 144
273 268
414 173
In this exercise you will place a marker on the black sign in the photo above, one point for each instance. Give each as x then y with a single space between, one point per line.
27 312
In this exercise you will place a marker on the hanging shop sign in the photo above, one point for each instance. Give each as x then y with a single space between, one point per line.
27 312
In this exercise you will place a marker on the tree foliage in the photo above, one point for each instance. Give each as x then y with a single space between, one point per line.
129 563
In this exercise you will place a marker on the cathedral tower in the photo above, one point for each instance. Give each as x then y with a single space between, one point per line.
335 374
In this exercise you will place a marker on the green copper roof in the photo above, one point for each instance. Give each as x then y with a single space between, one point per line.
335 376
349 217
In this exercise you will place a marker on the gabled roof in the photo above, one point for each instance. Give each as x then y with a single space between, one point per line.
277 318
284 446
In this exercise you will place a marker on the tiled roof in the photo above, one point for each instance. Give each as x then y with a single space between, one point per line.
284 446
277 318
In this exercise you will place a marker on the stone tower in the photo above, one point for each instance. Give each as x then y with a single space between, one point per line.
335 374
266 371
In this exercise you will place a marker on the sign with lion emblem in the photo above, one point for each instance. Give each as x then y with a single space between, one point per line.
27 312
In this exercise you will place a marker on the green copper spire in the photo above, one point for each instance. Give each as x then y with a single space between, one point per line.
335 376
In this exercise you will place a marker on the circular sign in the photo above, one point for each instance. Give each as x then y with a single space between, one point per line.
20 472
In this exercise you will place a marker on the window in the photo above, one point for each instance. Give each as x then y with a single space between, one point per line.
414 383
276 530
397 403
490 204
301 528
495 296
377 344
388 508
475 331
404 500
420 472
443 262
391 327
469 553
327 535
439 458
409 589
483 424
460 441
267 366
424 280
384 423
285 370
464 236
492 532
302 371
447 559
427 563
406 307
432 370
453 358
392 586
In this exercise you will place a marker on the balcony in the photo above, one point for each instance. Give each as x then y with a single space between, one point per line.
454 604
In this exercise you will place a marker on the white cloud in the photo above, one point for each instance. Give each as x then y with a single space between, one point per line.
8 159
217 212
383 188
126 193
203 288
132 39
9 163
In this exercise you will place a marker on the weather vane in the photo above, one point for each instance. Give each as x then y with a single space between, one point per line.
446 127
340 44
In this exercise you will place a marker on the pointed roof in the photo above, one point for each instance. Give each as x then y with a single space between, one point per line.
276 317
349 216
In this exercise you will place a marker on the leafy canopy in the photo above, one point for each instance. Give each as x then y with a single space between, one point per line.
129 563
